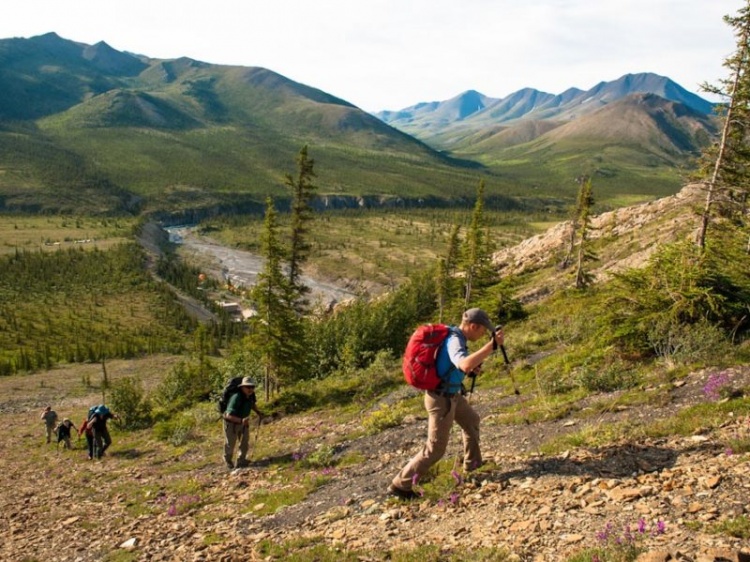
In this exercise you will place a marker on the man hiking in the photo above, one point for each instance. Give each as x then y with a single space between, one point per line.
98 424
50 421
63 433
237 422
447 404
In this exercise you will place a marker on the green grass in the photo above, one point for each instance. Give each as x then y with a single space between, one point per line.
266 502
377 247
738 527
49 234
688 421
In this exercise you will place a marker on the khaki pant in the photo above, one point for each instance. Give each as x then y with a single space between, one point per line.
234 432
442 412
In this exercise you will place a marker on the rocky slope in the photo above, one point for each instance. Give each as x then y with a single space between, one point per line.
150 501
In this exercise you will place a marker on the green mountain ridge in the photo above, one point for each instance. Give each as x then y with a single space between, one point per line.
184 136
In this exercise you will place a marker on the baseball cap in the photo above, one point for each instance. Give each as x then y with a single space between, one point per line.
247 381
478 316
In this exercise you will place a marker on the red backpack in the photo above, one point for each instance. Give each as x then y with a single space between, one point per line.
420 356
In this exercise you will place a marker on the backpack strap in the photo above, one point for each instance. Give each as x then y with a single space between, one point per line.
454 331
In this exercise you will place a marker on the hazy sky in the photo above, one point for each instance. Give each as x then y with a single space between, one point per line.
390 54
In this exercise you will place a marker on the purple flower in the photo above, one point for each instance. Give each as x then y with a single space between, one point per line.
457 477
716 381
660 527
641 525
728 451
454 498
172 510
414 479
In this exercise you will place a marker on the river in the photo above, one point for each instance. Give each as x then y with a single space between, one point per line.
241 267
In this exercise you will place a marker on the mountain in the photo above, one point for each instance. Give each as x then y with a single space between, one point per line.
637 131
87 127
429 121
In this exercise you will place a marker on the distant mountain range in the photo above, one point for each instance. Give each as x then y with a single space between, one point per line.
87 127
472 111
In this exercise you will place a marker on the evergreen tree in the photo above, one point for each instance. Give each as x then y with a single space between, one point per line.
477 252
724 166
583 220
277 333
446 272
303 192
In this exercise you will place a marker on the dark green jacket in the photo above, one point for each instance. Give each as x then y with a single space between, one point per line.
240 405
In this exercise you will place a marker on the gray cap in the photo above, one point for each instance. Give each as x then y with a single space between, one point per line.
478 316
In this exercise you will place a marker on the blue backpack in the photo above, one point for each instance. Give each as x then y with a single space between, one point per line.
101 409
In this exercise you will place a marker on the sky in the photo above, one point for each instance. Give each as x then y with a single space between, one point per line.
392 54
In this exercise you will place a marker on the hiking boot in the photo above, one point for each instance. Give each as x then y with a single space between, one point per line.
230 466
242 463
402 494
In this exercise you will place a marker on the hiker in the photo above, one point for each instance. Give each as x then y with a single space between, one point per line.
50 421
447 403
63 433
86 430
237 422
98 424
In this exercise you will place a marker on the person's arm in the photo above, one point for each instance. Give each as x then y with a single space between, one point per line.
470 362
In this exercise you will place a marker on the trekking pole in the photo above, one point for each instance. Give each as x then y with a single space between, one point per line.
473 376
509 370
255 441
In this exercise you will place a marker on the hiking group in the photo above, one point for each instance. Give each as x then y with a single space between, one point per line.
93 426
437 360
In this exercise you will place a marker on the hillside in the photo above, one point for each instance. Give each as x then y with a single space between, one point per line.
624 238
109 132
89 129
149 500
660 469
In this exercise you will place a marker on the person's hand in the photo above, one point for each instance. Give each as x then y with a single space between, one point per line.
499 337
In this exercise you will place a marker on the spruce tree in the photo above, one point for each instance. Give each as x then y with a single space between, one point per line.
446 272
583 222
724 166
303 192
477 251
277 333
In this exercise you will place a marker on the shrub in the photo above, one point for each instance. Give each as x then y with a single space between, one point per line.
321 457
384 417
610 377
177 430
132 407
678 343
187 383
